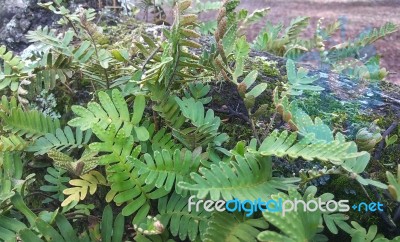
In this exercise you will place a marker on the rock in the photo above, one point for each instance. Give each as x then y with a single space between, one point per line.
17 17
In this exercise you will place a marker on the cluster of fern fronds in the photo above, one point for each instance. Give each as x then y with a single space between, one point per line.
136 138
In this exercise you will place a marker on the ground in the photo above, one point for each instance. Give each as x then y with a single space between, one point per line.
359 16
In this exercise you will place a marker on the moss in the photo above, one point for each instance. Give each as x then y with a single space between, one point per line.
236 132
349 189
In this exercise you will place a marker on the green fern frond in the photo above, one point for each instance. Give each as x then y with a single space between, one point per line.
112 110
116 146
246 177
10 71
10 227
199 92
48 37
50 69
12 143
298 80
60 140
128 187
295 27
168 109
158 140
308 148
56 179
303 225
227 227
166 169
376 34
32 124
359 233
175 216
205 124
7 105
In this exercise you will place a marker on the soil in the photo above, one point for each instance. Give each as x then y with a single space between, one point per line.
358 16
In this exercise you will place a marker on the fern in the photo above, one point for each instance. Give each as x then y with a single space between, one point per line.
308 148
175 216
295 27
116 146
246 177
127 186
303 226
87 183
358 233
298 80
158 140
57 180
12 143
199 92
394 184
113 110
167 169
11 69
233 227
48 37
86 163
32 124
60 140
9 228
205 128
50 70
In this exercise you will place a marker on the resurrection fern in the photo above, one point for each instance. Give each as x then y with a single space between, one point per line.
304 226
116 146
299 81
137 128
87 162
50 70
168 169
129 187
199 92
11 69
49 38
12 143
57 179
226 180
61 140
32 124
87 183
10 227
158 141
175 215
224 226
205 124
308 147
394 184
112 110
